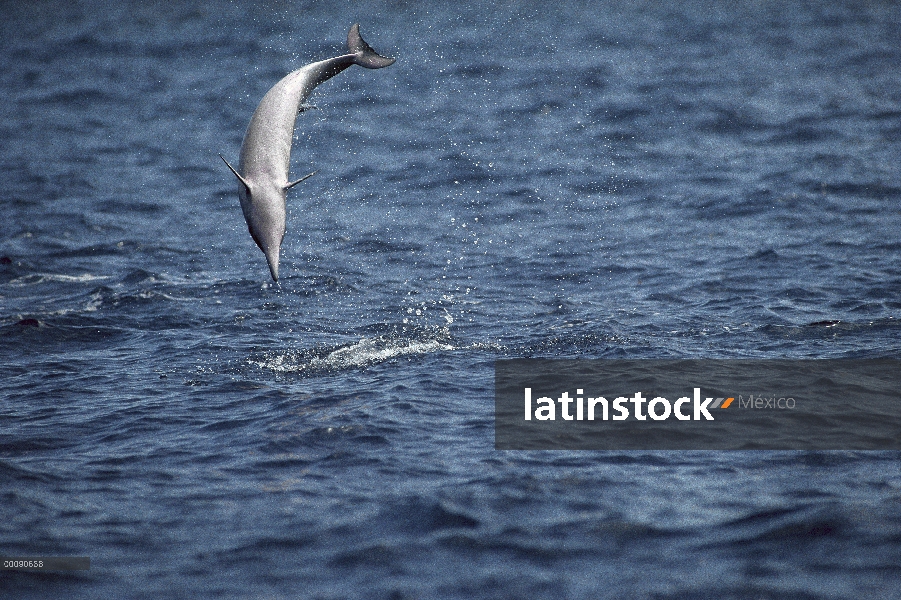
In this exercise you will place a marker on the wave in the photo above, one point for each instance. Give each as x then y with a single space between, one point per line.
36 278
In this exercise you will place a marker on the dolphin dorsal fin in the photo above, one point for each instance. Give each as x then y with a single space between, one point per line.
293 183
241 179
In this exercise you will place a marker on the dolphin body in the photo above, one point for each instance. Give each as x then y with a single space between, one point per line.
265 153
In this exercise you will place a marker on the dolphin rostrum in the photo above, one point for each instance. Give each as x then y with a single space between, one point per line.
265 153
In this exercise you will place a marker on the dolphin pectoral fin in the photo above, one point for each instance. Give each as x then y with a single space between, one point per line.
363 53
241 179
293 183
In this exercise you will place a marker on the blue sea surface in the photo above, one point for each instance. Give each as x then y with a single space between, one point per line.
566 180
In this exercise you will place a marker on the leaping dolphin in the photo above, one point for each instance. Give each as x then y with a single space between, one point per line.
266 151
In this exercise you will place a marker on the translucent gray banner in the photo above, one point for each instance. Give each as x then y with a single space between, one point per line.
835 404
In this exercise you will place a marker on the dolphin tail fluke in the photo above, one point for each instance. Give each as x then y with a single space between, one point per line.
365 56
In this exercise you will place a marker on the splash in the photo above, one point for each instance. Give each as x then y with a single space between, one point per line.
365 352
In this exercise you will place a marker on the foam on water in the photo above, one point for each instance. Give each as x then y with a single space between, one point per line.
39 278
364 352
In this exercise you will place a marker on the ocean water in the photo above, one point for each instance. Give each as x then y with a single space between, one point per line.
567 180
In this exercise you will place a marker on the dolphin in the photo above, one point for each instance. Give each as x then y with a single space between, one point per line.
265 153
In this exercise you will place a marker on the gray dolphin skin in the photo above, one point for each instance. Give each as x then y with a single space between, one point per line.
266 151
